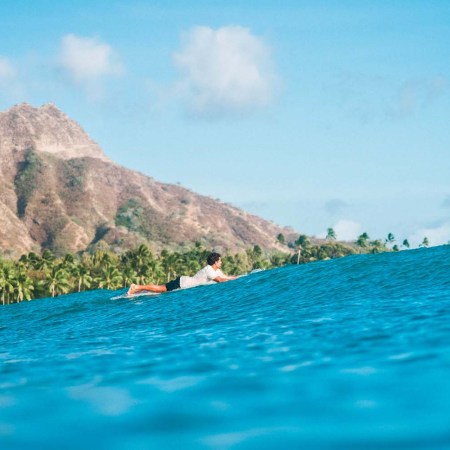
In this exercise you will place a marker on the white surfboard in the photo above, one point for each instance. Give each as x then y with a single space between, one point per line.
139 294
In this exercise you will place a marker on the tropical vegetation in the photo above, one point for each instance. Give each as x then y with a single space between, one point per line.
45 275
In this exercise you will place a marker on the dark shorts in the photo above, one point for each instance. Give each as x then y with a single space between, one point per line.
172 285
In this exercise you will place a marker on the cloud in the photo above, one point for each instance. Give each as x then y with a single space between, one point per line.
347 230
7 70
335 206
225 70
371 98
437 235
417 94
88 59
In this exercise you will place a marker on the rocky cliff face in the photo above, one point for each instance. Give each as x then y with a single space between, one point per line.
45 129
58 190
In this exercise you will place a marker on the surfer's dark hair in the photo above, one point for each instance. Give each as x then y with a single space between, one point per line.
212 258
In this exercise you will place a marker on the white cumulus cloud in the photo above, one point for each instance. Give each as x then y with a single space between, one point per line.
438 235
88 59
224 70
347 230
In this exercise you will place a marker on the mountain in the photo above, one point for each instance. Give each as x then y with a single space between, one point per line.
60 191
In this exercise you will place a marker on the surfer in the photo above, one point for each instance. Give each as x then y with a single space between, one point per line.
208 275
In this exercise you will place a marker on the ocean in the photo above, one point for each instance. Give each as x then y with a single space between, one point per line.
352 353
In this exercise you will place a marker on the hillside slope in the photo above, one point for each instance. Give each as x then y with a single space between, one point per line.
60 191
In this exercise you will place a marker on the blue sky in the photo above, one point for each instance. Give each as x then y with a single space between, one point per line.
311 114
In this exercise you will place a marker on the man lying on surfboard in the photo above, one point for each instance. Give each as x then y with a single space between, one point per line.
208 275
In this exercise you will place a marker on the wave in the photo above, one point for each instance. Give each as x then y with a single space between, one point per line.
347 353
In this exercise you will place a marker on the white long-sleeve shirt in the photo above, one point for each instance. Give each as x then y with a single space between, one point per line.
203 276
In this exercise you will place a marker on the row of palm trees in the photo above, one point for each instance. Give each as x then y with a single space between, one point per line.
307 252
36 276
363 241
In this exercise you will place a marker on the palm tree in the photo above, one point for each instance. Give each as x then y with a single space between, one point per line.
129 276
143 252
87 260
158 271
405 243
278 260
390 239
101 257
110 278
425 243
170 265
82 275
377 246
331 235
23 287
7 277
254 255
302 244
142 257
57 281
192 266
362 240
236 264
32 260
46 259
68 260
25 259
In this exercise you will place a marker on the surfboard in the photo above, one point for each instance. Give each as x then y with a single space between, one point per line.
139 294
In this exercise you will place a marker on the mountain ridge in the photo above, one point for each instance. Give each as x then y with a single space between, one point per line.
60 191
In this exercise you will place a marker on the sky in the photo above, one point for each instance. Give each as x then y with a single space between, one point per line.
311 114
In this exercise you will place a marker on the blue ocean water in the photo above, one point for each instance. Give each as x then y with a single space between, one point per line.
351 353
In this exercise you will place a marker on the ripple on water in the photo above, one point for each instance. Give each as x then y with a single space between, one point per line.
348 353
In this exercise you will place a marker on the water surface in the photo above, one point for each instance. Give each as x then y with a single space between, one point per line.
351 353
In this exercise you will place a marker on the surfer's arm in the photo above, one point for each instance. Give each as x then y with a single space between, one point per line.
224 278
